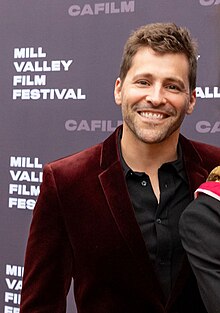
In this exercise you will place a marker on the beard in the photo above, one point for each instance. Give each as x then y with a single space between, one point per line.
152 131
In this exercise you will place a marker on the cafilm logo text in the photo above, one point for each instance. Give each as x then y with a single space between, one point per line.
205 127
92 126
101 8
209 2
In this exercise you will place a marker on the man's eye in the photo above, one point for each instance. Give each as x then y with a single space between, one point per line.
173 88
143 82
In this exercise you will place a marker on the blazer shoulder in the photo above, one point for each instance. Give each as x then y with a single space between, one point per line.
90 159
205 147
204 151
81 167
76 162
209 153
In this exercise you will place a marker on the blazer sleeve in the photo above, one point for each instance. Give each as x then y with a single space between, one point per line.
48 259
200 233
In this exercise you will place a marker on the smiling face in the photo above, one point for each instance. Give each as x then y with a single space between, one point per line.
154 96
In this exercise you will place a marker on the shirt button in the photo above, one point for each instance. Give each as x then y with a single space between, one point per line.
166 185
158 220
144 183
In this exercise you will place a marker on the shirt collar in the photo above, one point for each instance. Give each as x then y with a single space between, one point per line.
177 165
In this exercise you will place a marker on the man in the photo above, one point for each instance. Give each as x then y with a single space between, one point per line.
199 228
108 216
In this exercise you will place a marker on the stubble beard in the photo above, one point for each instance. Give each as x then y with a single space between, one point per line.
152 133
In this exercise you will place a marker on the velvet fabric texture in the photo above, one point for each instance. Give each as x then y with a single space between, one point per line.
84 228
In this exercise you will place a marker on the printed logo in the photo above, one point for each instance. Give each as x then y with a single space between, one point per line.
93 125
13 280
209 2
24 187
27 85
205 127
101 8
208 92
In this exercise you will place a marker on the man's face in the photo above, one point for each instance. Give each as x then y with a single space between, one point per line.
155 95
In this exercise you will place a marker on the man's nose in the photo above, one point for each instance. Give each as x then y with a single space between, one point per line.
155 95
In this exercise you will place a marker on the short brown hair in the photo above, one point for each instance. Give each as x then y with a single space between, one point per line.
163 38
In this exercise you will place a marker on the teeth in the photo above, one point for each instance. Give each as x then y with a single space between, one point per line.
152 115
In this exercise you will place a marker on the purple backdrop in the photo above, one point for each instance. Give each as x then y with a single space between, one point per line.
59 61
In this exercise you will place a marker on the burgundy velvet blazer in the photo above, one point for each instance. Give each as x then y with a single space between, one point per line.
84 228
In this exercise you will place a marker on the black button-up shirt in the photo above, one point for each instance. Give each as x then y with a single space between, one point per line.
159 221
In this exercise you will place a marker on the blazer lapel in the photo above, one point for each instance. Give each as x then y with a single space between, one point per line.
195 170
114 186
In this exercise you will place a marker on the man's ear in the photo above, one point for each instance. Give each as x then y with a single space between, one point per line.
117 91
192 102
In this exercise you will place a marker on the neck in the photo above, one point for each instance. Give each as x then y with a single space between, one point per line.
148 157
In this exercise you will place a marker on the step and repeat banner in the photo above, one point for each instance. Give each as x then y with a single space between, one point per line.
58 64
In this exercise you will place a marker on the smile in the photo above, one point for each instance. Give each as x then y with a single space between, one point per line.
151 115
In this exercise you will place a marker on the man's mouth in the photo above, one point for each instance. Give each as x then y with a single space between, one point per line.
153 115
